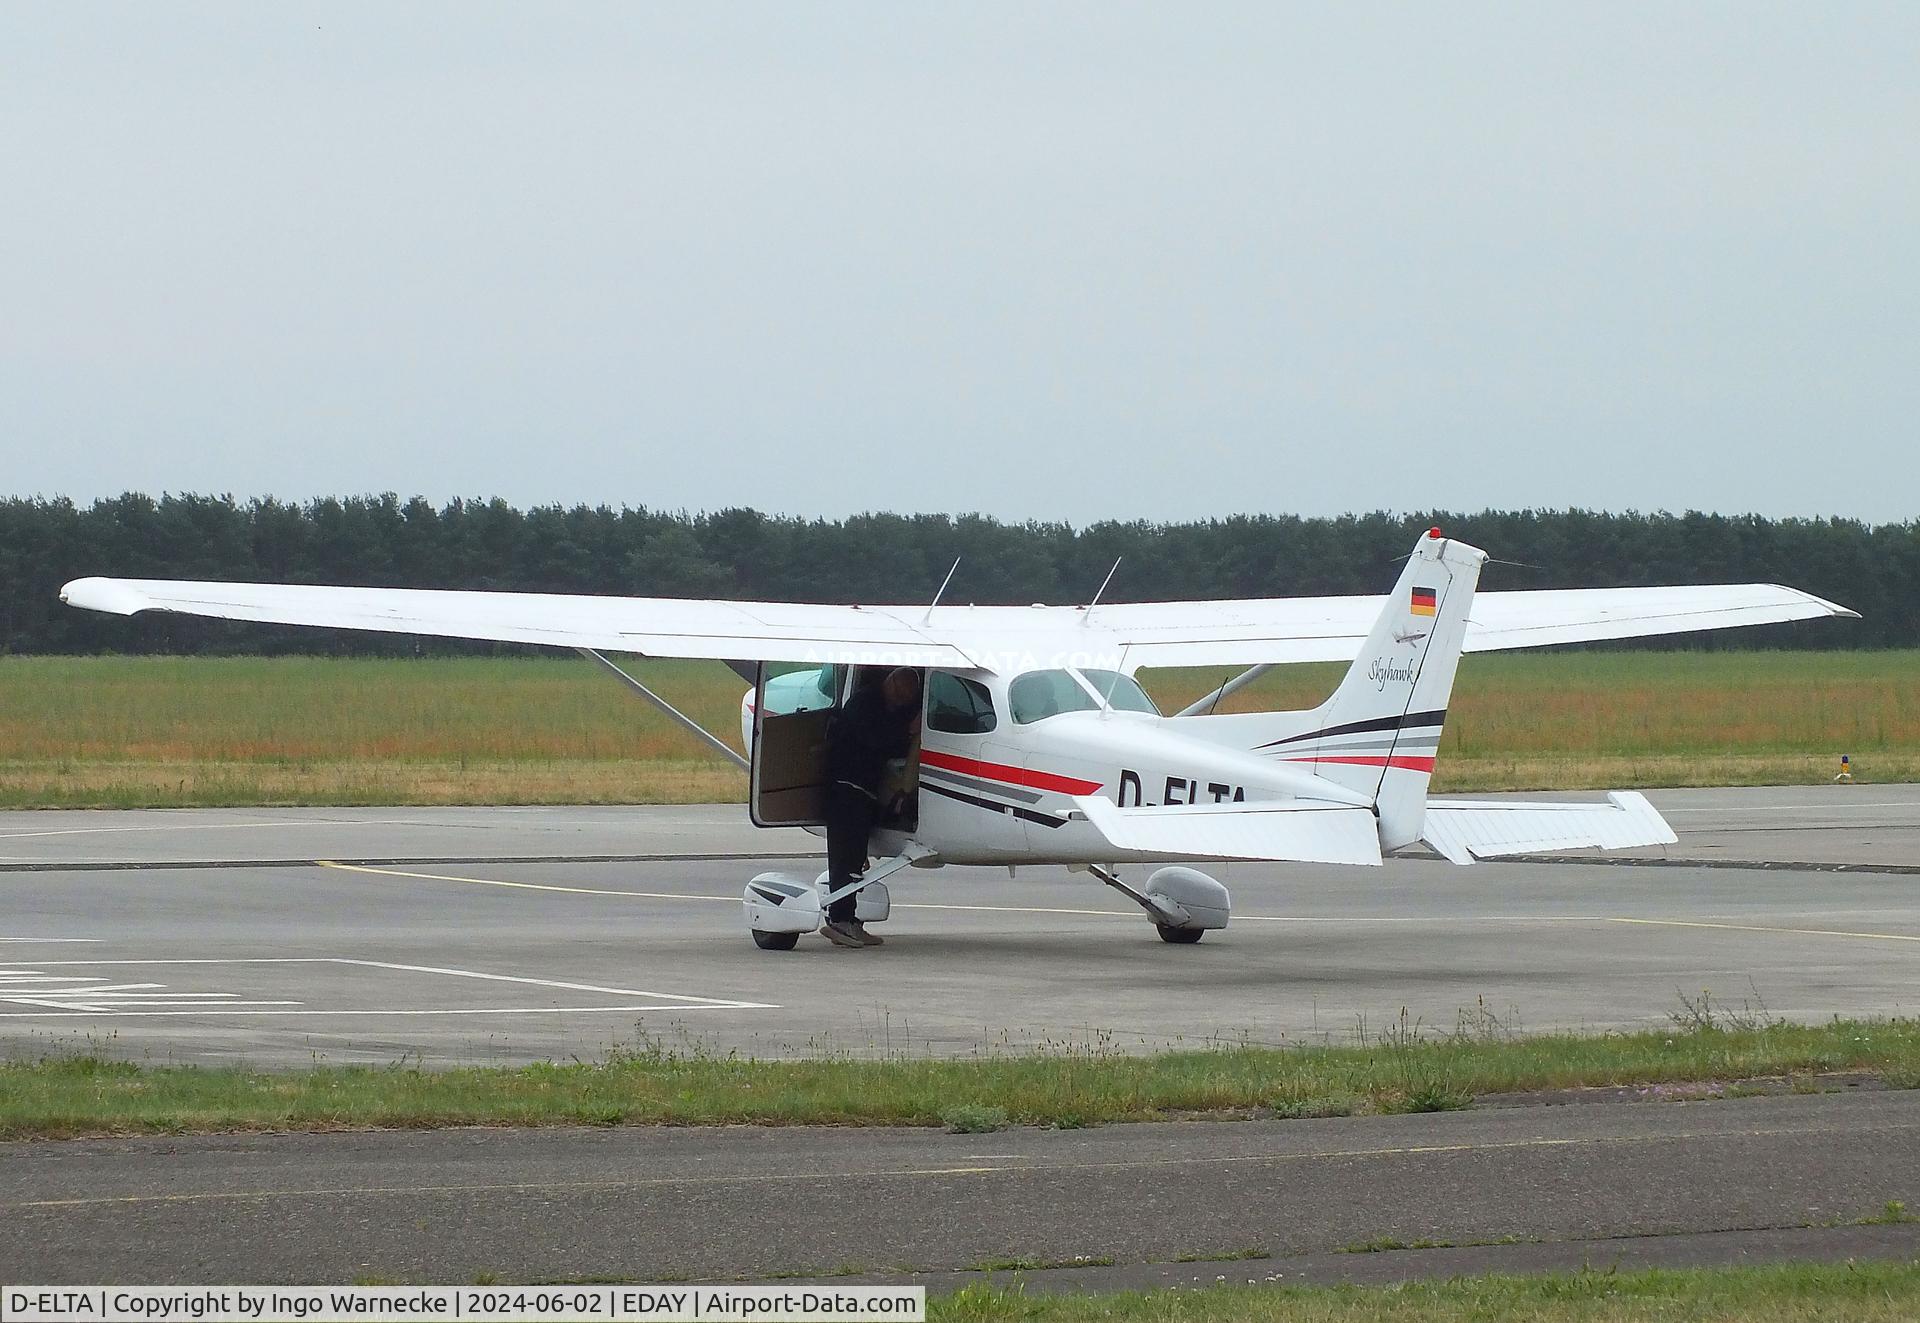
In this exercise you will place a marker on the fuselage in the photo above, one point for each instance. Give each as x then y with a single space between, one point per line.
1002 790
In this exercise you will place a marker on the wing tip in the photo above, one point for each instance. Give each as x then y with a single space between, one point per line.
114 596
1827 608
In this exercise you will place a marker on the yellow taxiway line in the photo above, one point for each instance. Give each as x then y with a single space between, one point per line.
1130 914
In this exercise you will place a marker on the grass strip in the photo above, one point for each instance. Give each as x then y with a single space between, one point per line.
127 732
372 782
1864 1292
1400 1069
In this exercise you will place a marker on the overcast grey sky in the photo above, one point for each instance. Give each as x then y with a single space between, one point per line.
1066 261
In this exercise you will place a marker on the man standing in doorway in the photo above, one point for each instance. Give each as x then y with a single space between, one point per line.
878 723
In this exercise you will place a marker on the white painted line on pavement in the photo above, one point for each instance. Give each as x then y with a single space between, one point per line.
81 1005
215 826
899 905
680 1000
525 886
628 1008
1776 808
572 987
1762 928
1135 914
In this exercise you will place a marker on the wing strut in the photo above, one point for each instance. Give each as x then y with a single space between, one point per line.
1233 686
718 745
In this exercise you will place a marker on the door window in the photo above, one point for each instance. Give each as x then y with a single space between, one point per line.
788 780
957 705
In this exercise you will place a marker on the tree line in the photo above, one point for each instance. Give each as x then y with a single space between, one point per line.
384 541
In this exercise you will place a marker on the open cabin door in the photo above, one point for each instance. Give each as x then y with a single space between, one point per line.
788 776
788 767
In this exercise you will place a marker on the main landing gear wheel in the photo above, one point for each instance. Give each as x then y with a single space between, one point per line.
1168 933
781 941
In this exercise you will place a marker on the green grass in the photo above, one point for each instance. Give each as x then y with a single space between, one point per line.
1621 719
1893 1213
1385 1244
1858 1292
172 731
62 1097
974 1119
127 732
1029 1263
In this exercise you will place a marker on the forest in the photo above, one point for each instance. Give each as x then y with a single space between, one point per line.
386 541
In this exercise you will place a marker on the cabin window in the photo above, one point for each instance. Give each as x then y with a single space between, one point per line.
1038 695
958 706
1120 689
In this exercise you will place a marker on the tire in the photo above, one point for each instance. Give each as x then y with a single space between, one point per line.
775 941
1178 936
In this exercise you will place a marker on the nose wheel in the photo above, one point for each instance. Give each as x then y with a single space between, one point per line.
783 941
1178 936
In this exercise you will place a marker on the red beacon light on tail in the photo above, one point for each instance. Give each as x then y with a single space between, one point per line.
1434 532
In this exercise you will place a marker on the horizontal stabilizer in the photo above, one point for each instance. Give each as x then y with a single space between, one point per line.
1289 830
1465 830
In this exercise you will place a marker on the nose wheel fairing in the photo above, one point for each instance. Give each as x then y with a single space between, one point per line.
782 902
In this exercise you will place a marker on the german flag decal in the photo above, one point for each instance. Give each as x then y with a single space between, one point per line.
1423 602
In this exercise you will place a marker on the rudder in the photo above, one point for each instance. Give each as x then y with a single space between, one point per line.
1379 731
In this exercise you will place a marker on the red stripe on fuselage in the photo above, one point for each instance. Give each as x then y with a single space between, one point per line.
1405 761
1019 776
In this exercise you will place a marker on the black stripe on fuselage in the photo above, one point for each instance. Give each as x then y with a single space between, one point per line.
1359 727
995 806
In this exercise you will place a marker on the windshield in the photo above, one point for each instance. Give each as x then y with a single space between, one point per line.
1038 695
1122 691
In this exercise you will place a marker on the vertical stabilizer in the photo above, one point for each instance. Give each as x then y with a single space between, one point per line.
1379 731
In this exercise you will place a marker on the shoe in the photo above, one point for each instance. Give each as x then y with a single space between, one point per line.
866 938
841 933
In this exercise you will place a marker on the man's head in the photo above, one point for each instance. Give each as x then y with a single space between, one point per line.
901 688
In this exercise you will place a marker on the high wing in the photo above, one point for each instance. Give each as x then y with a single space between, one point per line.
650 626
1297 629
997 638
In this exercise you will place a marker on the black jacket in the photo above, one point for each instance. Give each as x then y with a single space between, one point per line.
863 735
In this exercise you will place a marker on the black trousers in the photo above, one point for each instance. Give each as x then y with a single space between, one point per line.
850 818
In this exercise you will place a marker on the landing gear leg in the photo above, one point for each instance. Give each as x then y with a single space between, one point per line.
1162 919
1181 902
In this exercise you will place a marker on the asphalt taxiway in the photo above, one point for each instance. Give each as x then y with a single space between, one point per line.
446 936
1517 1189
508 935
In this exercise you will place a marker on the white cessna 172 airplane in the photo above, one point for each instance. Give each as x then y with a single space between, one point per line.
1038 746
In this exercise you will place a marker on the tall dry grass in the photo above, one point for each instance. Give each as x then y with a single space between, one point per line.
130 731
1636 703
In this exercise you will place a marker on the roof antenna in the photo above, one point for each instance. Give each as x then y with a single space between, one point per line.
1088 609
1217 695
928 618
